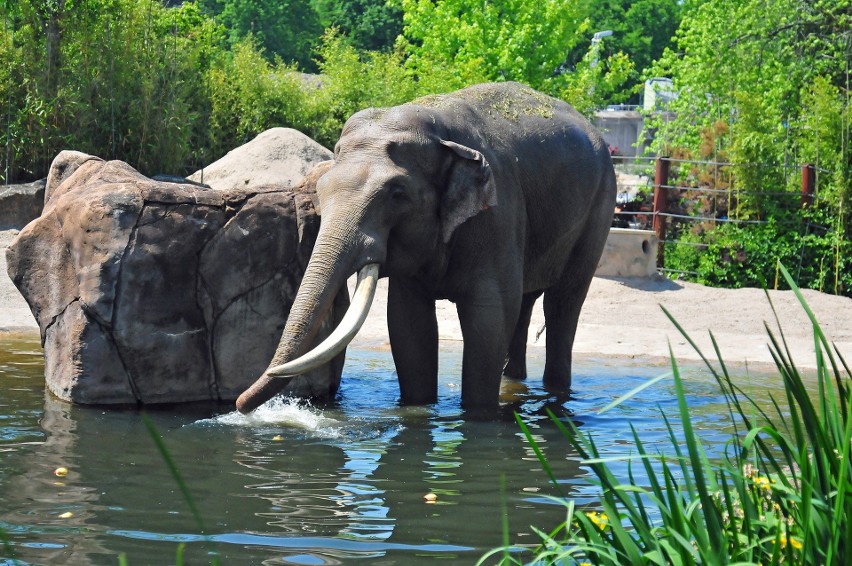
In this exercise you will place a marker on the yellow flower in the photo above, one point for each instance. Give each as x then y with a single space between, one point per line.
599 519
763 482
796 544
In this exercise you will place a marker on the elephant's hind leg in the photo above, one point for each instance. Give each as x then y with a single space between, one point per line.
562 304
516 361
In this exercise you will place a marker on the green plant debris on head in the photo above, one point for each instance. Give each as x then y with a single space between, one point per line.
510 104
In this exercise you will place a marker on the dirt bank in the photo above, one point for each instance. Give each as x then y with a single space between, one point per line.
621 318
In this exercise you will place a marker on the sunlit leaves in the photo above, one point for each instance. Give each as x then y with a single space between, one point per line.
522 40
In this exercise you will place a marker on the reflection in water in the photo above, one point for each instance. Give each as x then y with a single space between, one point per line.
361 501
298 484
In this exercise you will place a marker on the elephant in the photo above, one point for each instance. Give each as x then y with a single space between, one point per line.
490 196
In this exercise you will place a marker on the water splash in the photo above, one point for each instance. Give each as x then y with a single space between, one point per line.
283 412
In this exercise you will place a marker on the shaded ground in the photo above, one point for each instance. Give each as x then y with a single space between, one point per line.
621 318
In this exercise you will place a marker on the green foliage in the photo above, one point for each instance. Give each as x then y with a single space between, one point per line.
171 89
771 58
354 80
641 28
824 139
739 255
248 95
455 43
465 41
282 28
121 80
371 25
593 82
779 495
774 77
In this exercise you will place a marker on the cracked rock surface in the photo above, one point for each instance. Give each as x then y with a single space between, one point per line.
158 292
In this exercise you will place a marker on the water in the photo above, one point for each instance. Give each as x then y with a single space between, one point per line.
295 484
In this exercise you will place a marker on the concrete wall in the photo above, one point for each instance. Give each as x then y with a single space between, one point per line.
621 129
629 253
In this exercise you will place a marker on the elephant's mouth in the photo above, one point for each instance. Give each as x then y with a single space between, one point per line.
349 326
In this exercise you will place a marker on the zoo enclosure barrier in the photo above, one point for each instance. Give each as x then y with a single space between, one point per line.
674 197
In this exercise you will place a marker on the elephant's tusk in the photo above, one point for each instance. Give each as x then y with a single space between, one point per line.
352 321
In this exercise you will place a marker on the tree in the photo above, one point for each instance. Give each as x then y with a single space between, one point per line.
750 63
771 77
369 24
126 81
283 28
454 43
642 28
465 41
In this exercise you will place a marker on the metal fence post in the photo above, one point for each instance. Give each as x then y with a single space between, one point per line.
808 185
661 181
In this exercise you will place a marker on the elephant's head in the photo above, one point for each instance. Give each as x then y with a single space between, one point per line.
397 191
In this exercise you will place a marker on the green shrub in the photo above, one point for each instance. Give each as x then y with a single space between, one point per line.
779 495
353 80
248 95
124 79
746 255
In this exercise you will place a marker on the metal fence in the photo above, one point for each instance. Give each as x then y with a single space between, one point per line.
678 197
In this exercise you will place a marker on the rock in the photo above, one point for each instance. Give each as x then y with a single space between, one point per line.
279 156
20 204
157 292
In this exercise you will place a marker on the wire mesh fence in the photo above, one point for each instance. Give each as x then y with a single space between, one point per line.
715 227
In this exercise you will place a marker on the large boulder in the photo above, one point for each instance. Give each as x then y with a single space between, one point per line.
278 156
20 204
158 292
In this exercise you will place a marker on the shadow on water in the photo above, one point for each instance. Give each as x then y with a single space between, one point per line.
297 484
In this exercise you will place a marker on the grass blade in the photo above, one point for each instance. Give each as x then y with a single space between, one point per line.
538 453
182 485
635 391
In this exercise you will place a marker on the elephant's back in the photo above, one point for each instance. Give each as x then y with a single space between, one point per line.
554 175
509 100
553 170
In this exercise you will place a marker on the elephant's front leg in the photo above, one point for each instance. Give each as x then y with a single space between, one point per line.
487 324
413 331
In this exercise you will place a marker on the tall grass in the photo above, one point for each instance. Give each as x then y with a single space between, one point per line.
185 492
780 495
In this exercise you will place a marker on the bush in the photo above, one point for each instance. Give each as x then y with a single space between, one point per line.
248 95
353 80
746 255
123 79
780 494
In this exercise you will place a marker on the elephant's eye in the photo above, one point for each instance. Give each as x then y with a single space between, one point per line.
398 194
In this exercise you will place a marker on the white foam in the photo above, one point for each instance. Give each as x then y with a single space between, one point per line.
289 412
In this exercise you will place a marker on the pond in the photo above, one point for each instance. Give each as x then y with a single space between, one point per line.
295 484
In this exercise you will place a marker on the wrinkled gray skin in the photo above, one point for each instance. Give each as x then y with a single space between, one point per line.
489 197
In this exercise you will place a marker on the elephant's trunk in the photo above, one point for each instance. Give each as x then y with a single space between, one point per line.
328 269
343 334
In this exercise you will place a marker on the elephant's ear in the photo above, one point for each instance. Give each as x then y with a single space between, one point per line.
470 188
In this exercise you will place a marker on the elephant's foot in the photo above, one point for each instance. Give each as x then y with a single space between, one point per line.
557 379
515 369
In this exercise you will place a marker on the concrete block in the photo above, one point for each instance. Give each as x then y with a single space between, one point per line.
629 253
